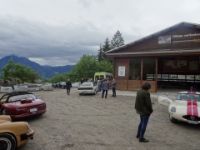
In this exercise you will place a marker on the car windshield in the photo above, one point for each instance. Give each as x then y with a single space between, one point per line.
21 97
186 96
86 84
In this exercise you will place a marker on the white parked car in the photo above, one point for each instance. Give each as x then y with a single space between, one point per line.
6 89
186 107
75 84
88 88
48 87
20 88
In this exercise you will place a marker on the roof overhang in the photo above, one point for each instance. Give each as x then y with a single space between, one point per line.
187 24
160 52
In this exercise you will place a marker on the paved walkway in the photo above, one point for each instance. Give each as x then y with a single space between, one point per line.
169 92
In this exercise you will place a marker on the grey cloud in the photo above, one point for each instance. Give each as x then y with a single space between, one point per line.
35 39
60 33
88 3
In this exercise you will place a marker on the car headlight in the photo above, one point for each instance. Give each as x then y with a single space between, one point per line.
173 109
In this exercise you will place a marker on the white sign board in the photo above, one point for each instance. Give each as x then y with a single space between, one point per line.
121 71
164 39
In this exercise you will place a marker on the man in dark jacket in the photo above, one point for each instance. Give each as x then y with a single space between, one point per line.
68 86
105 88
143 107
113 88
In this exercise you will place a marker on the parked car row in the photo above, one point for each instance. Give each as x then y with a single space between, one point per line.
13 106
26 87
63 84
19 103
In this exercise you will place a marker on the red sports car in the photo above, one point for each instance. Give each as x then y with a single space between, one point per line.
21 105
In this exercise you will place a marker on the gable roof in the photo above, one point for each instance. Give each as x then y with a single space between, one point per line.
157 33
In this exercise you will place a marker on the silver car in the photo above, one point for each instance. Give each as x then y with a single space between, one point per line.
88 88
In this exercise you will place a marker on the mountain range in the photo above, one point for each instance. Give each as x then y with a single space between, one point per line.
43 71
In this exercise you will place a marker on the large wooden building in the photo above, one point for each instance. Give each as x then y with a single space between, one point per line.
168 59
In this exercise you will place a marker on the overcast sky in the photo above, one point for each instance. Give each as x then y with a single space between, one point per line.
59 32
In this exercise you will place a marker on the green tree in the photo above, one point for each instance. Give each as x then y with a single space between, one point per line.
104 66
106 46
100 54
58 78
117 40
16 70
85 68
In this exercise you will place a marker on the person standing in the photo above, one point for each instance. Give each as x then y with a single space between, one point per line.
99 85
68 86
113 88
82 80
143 107
105 88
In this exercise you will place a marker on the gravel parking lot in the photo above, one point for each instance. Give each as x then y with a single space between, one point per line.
91 123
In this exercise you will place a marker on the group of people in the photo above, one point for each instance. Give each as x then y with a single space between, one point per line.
105 86
143 104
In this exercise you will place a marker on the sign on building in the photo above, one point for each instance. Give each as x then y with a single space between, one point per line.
121 71
164 39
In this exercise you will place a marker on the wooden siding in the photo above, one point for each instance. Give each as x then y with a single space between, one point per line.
134 85
121 84
161 53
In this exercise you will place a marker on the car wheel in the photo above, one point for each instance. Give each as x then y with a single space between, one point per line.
80 94
7 142
173 120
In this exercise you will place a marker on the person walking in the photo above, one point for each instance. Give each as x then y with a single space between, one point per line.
68 86
113 88
105 88
143 107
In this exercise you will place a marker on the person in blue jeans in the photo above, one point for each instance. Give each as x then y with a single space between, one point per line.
143 106
105 88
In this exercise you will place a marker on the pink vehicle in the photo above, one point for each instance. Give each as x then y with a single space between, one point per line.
20 105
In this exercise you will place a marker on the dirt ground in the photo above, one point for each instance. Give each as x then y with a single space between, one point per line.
91 123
